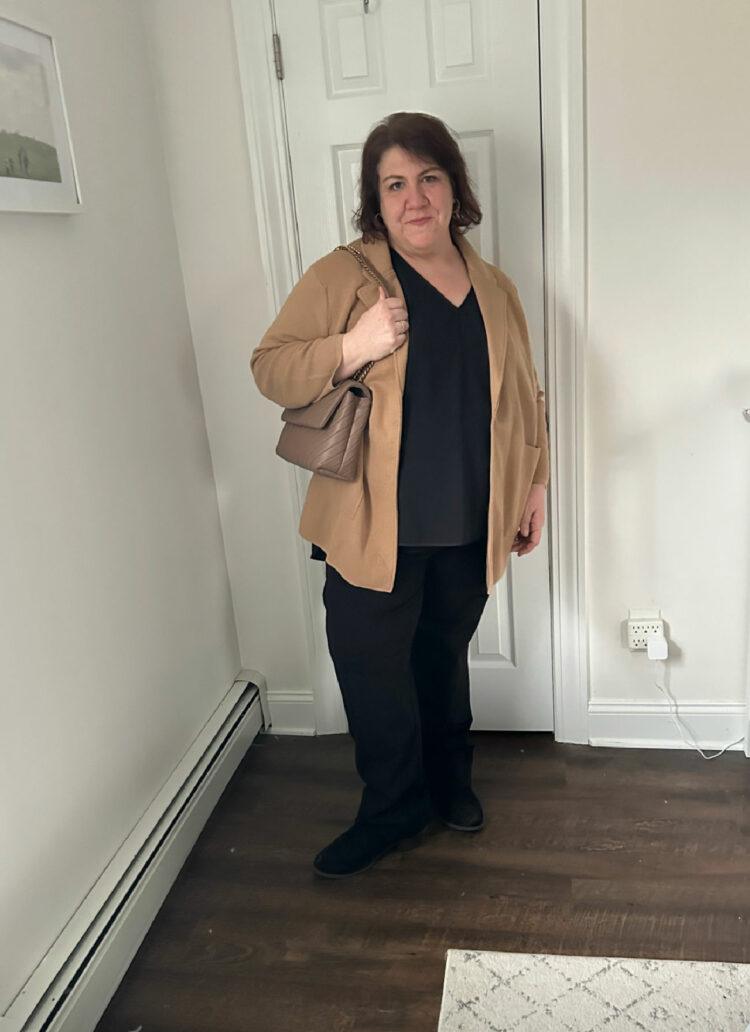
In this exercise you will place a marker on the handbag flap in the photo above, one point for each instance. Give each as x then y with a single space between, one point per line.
319 413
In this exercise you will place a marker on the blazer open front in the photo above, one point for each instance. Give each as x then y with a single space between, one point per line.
356 522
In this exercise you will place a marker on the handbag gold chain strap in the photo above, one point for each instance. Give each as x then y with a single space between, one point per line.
373 273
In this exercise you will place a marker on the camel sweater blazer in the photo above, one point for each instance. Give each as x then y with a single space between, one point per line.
356 522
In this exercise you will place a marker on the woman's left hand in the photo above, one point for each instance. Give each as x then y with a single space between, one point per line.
532 521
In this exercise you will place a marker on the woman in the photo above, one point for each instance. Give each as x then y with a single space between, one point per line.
452 477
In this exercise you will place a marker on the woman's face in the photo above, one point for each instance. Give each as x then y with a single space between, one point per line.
416 202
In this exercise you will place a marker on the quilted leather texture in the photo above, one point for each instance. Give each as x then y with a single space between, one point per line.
326 437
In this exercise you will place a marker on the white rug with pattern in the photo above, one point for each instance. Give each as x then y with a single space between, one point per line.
522 992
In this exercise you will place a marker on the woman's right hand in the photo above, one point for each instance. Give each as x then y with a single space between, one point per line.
378 333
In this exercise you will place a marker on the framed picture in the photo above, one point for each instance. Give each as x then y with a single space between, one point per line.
37 170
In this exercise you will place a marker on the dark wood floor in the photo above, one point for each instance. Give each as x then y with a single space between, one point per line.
613 852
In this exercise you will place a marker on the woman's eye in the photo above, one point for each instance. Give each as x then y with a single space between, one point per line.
429 179
394 186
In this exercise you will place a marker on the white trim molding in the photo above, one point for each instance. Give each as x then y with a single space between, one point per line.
284 712
265 122
72 985
561 62
292 713
650 725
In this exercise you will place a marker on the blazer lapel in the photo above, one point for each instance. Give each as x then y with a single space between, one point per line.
493 301
491 297
378 254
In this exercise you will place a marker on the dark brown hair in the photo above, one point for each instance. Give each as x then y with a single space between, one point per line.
425 137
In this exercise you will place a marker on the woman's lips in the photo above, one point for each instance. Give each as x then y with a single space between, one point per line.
418 222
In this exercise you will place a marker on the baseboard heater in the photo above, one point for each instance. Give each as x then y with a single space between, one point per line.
71 987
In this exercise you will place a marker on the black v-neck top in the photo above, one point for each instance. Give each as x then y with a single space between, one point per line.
443 479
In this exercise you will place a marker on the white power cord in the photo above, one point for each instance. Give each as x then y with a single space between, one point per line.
658 650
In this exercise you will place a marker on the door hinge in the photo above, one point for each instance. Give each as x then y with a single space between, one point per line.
277 58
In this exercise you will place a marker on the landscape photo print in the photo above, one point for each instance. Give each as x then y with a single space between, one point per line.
37 171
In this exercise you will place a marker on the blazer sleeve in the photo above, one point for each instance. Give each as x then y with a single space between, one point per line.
541 473
295 361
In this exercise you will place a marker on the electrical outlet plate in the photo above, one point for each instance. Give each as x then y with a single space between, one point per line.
642 625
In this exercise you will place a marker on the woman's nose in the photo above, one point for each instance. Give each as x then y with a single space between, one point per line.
415 196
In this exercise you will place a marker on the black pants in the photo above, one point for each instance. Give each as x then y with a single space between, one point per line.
401 659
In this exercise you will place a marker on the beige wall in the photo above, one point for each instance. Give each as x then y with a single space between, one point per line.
668 364
118 637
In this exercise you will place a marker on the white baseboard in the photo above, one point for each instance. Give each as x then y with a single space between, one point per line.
649 725
292 713
72 986
284 712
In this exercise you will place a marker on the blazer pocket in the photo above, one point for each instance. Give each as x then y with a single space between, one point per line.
528 463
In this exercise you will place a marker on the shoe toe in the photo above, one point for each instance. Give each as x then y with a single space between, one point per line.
463 812
357 849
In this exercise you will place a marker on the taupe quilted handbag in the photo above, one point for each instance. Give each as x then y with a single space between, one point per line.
326 436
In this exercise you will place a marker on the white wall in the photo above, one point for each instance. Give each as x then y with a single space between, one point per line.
668 365
194 58
118 632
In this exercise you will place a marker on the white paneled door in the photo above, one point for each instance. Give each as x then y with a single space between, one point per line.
475 64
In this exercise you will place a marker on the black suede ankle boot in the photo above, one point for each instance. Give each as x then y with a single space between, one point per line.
358 848
461 810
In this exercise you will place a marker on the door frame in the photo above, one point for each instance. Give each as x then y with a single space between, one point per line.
561 63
